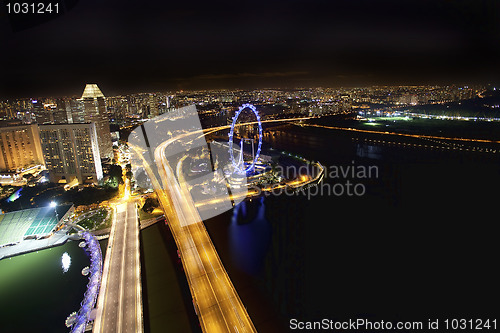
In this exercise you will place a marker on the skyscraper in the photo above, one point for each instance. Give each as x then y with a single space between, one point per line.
43 116
63 113
152 106
94 107
77 112
71 152
20 147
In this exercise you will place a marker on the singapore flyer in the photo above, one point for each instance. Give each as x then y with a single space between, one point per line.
239 165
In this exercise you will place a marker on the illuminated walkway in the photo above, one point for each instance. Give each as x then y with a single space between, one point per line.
86 306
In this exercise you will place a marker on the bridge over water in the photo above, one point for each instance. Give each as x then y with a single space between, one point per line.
87 305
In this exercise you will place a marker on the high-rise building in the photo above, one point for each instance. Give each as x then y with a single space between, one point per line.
42 115
117 108
152 106
71 152
94 107
20 147
63 113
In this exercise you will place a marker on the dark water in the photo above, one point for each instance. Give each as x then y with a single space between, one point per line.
36 295
418 244
167 303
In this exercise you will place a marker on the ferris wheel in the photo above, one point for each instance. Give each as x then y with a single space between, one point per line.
240 165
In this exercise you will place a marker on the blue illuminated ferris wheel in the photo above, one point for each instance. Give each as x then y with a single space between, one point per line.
237 165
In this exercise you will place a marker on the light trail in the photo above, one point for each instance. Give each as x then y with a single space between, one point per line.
209 283
214 297
419 136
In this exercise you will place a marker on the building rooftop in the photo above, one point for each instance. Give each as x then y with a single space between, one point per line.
92 91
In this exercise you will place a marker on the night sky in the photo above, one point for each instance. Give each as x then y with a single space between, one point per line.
137 46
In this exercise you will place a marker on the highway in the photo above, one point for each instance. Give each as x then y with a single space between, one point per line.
216 302
119 307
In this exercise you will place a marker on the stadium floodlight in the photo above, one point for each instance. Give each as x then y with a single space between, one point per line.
53 204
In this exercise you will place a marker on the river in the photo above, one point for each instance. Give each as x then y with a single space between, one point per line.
416 244
37 293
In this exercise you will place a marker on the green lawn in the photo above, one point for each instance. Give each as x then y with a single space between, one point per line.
100 220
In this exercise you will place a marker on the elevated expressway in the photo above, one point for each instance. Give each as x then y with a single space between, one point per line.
215 299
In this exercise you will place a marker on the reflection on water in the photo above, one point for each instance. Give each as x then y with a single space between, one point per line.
41 285
65 261
369 151
249 241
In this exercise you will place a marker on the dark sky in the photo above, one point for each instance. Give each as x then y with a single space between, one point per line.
133 46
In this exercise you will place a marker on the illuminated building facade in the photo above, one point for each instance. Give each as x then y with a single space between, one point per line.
71 152
42 115
153 106
20 147
63 113
94 107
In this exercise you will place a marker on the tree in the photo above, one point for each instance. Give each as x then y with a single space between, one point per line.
150 204
115 171
115 177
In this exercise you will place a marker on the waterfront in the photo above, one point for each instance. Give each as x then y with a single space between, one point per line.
417 236
417 244
390 218
35 292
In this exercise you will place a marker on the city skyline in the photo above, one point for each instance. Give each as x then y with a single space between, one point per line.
248 166
57 97
163 46
173 161
126 111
